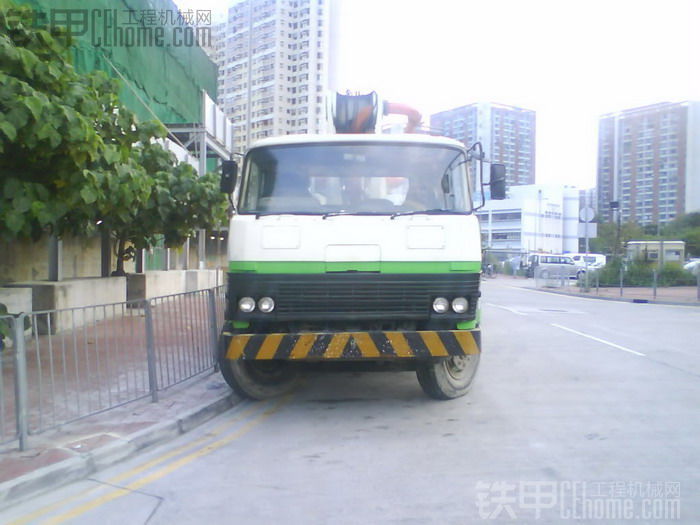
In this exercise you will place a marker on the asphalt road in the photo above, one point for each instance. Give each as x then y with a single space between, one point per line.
583 410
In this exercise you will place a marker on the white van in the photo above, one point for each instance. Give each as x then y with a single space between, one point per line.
546 266
594 261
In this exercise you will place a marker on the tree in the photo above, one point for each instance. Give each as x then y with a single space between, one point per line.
686 228
178 204
73 159
607 235
47 128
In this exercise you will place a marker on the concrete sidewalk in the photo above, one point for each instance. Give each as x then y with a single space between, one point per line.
81 448
674 295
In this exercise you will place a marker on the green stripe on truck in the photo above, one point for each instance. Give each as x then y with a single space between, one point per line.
341 266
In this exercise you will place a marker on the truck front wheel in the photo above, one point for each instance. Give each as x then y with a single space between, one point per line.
260 379
448 378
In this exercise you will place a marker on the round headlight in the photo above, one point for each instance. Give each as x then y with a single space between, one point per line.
266 305
459 305
440 305
246 304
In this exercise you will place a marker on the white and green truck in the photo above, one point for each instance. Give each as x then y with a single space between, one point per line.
354 247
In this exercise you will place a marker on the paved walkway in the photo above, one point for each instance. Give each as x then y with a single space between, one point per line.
78 449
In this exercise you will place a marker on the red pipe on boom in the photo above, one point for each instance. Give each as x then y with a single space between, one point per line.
414 116
359 113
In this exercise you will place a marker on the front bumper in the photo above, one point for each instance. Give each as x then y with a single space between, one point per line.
353 345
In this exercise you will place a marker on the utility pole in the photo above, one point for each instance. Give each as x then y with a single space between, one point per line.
615 208
661 242
619 219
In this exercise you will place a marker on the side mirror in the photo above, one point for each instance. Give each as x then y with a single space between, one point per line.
497 182
229 174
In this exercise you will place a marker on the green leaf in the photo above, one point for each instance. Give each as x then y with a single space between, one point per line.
14 222
8 130
111 154
55 138
88 194
34 105
21 203
12 186
44 131
18 116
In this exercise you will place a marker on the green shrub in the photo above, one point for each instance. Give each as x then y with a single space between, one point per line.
609 275
640 273
673 274
507 268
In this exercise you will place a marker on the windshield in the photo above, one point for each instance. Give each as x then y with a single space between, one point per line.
376 178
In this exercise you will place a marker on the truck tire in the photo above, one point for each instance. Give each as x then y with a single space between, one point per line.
260 380
448 378
263 379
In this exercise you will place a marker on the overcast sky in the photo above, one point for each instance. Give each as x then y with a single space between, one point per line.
570 61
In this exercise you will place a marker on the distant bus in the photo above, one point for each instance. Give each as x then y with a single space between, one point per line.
673 251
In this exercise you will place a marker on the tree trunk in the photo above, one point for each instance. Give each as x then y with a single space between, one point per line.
121 248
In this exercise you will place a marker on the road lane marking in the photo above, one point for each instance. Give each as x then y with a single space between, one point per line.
624 349
219 429
511 310
168 469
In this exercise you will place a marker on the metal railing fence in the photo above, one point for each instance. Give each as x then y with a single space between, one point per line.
8 388
77 362
554 277
625 283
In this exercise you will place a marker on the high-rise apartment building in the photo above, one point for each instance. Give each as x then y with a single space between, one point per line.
274 66
649 162
507 134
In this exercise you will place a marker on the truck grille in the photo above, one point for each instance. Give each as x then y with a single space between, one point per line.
356 295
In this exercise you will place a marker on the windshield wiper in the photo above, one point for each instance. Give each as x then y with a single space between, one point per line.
268 213
345 212
435 211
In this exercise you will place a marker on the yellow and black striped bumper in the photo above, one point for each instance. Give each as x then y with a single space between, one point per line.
354 345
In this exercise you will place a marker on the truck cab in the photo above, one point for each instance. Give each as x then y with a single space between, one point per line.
350 248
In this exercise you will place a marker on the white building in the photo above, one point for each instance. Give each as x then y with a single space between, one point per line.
534 218
274 59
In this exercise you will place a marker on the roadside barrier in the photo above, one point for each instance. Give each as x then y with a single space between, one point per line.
554 277
108 355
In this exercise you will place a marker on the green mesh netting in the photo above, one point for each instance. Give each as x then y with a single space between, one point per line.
167 78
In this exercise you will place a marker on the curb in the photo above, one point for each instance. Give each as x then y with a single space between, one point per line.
73 469
620 299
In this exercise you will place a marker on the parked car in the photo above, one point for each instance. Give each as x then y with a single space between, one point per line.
548 266
693 266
